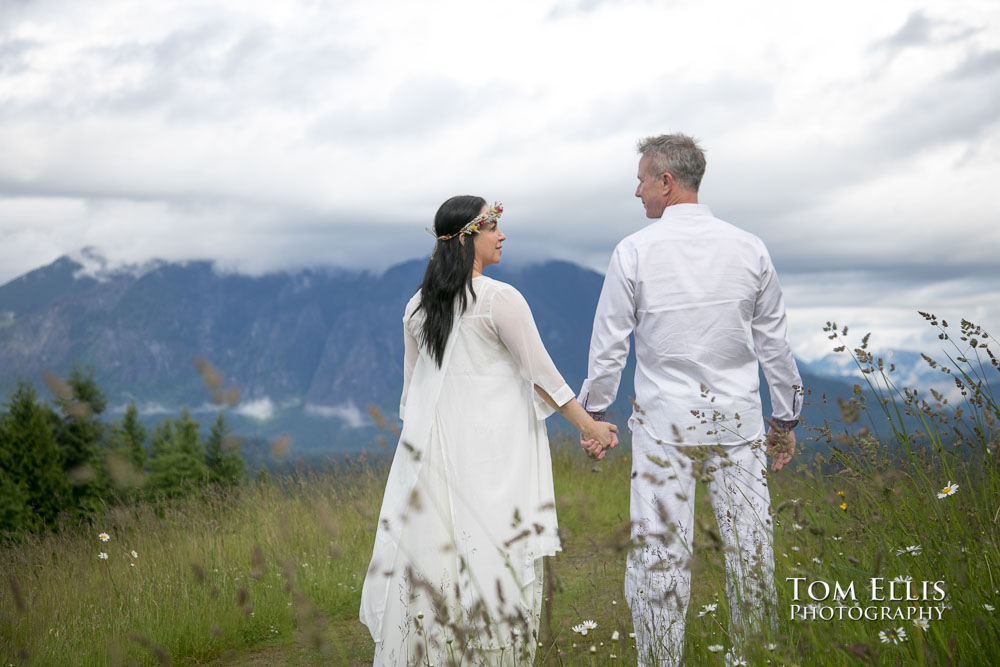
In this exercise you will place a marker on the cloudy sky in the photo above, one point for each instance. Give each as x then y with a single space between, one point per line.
859 140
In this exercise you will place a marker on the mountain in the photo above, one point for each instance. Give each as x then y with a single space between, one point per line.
308 351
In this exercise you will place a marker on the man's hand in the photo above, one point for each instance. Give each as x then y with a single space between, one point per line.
780 446
594 448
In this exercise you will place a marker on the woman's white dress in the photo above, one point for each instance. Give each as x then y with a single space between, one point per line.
469 508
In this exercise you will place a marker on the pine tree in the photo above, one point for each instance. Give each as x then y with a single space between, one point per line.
125 459
222 456
176 463
30 458
82 437
134 436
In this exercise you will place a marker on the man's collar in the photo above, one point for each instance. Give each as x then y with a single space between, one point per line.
685 211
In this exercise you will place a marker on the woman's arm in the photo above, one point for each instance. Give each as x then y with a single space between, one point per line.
601 433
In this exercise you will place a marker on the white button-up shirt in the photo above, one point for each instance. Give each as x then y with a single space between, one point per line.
704 302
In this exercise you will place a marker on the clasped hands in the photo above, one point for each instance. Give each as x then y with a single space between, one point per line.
600 440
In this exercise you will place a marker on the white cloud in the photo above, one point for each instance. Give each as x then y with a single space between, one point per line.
347 412
260 409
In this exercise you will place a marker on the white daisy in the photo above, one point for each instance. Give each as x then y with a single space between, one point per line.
716 648
104 537
913 550
102 556
921 623
948 490
891 636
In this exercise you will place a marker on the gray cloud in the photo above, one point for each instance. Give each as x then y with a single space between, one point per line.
921 31
959 106
915 32
415 109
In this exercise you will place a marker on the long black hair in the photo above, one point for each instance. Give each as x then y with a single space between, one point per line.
449 273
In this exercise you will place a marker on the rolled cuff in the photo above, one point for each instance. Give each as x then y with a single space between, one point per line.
561 396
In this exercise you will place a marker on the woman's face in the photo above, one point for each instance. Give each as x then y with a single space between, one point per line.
488 242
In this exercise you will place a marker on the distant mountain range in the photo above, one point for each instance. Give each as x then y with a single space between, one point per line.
309 351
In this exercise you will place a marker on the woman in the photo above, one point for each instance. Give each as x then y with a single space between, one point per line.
469 508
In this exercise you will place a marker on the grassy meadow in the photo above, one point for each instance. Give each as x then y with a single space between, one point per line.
270 573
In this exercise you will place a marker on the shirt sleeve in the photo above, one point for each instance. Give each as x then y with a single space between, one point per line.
614 321
516 328
774 352
410 352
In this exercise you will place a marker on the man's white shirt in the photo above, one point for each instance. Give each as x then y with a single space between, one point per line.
704 302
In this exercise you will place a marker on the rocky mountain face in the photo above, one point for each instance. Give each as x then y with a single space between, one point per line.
308 351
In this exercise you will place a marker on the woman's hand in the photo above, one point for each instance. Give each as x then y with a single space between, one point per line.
598 438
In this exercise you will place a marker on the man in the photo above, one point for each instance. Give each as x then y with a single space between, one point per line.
703 302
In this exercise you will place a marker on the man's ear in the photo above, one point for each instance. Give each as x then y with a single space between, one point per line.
666 181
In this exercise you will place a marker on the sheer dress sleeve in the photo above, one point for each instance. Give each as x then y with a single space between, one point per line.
410 352
516 328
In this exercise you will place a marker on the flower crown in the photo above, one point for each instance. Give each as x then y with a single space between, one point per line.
471 227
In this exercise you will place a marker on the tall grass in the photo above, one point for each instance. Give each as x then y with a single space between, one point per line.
271 573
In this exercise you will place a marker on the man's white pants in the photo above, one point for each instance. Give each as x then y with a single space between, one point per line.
658 575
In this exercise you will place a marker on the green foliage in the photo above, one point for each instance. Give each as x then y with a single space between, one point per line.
31 462
222 457
176 464
133 436
81 435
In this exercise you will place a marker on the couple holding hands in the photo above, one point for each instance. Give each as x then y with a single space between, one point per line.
469 507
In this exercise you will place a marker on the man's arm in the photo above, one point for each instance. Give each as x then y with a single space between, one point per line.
614 321
774 353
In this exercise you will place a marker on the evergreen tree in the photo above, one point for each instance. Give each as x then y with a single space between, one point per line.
176 463
81 436
134 436
125 459
14 512
222 456
30 459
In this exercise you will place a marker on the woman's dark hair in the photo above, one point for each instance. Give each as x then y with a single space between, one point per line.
448 274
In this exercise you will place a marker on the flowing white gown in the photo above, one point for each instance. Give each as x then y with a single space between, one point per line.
469 508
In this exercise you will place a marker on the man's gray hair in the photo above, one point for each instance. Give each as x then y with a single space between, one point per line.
678 154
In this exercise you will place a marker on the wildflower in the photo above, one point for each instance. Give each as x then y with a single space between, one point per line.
816 560
795 549
593 649
891 636
796 526
841 494
584 627
102 556
913 550
843 506
771 647
921 623
948 490
104 537
836 538
707 609
902 579
612 656
715 648
738 662
631 635
988 607
615 636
